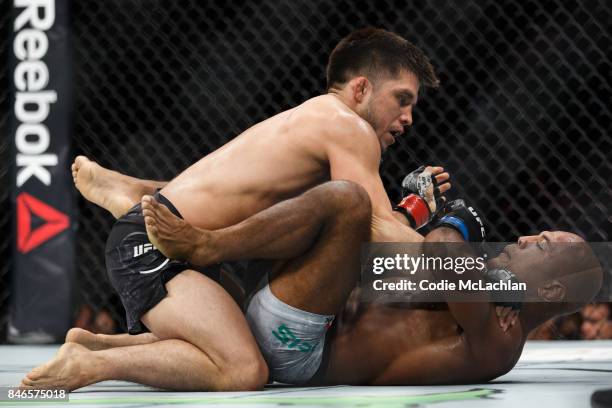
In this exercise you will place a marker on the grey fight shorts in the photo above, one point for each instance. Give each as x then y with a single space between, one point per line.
291 340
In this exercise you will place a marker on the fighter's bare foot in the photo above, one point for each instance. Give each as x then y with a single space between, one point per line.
109 189
173 236
86 339
100 341
71 368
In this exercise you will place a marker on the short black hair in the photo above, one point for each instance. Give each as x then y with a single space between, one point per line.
374 53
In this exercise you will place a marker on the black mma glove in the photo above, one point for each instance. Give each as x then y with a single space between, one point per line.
422 199
504 298
464 219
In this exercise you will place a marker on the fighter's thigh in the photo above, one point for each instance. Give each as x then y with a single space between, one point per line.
202 313
320 280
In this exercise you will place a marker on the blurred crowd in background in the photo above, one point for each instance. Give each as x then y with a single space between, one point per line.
591 323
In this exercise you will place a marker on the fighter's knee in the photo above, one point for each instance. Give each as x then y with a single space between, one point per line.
350 196
249 375
254 375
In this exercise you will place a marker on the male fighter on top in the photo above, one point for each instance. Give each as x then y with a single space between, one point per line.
373 82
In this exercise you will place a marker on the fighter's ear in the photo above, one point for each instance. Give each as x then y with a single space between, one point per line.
360 87
552 291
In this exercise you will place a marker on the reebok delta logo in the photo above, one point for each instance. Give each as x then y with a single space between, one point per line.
55 222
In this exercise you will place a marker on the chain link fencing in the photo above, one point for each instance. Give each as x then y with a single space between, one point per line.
6 215
522 118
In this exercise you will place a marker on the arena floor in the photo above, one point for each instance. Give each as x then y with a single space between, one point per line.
549 374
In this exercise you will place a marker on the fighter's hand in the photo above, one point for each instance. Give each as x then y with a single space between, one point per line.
423 195
465 219
442 178
506 317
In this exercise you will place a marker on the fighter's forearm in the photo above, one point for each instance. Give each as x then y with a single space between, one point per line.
437 243
444 235
444 242
401 218
387 227
471 310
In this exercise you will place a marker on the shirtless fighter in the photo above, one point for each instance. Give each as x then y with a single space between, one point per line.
457 343
404 343
373 80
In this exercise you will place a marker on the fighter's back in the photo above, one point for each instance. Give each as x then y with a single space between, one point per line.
273 160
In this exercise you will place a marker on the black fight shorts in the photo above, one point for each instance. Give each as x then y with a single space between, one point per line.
137 270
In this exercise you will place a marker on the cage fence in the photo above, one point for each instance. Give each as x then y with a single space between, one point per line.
521 121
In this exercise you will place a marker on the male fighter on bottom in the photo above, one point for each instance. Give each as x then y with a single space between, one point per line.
460 342
410 344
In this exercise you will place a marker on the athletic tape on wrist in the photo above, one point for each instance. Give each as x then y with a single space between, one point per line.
417 208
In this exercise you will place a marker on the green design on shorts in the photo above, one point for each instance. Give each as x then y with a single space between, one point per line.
286 336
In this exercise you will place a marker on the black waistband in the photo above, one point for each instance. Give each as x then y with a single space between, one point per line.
162 199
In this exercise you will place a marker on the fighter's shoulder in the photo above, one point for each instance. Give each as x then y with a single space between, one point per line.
335 122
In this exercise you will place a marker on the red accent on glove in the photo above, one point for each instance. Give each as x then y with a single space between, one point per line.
417 208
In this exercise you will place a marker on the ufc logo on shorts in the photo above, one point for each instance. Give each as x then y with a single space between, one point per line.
142 249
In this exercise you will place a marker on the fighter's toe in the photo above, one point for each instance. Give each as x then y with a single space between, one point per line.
80 160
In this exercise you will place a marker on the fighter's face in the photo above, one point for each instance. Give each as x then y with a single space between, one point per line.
543 257
547 250
551 236
389 108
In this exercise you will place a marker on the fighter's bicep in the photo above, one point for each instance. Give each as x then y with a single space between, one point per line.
361 167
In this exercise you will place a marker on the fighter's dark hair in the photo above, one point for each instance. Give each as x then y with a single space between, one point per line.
376 53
